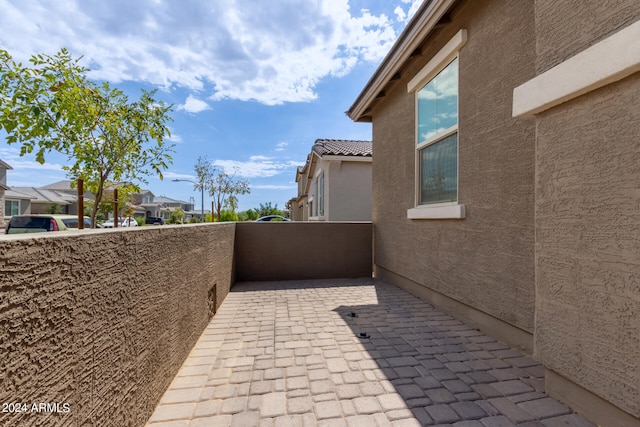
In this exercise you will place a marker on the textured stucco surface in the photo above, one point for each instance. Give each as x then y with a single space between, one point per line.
588 242
487 259
567 27
102 320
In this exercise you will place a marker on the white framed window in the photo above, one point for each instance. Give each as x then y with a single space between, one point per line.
437 137
11 207
320 193
435 89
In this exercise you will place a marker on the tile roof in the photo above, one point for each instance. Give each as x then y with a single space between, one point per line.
39 195
64 185
342 147
12 194
167 200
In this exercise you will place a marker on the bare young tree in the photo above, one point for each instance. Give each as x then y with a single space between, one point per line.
223 187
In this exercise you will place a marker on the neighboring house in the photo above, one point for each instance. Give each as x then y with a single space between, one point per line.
527 228
167 205
63 190
42 200
144 204
4 167
16 203
335 182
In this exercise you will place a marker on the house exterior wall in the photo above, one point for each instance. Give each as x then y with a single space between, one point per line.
24 205
348 191
298 210
2 224
588 220
3 183
103 319
486 260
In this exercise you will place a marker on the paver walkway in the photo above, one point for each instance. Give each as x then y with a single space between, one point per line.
291 354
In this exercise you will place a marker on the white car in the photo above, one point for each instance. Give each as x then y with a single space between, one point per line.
128 222
122 222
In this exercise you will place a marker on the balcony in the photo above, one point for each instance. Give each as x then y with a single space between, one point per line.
241 324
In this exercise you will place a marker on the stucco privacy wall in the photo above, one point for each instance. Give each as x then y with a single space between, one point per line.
102 320
588 214
485 260
302 250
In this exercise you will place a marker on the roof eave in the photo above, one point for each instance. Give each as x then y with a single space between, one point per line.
423 22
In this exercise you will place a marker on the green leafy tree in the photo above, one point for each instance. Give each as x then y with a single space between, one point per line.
222 187
177 215
125 193
53 208
51 105
267 209
229 216
248 215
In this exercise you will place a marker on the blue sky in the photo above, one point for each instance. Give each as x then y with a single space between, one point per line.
253 82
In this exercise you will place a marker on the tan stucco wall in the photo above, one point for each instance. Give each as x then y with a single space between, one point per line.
302 250
487 259
588 215
567 27
102 320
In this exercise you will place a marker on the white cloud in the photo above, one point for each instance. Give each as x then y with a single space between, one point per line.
401 15
405 16
172 175
33 165
256 167
268 51
281 146
274 187
175 138
194 105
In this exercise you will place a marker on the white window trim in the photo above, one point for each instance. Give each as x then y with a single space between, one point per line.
607 61
451 210
320 193
445 210
438 62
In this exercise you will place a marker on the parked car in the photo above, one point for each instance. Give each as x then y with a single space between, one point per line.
71 221
154 220
122 222
273 218
108 224
34 224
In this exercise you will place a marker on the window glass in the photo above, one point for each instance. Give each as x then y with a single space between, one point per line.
437 137
321 194
439 171
438 104
11 207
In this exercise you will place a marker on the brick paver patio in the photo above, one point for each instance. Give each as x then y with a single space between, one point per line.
351 353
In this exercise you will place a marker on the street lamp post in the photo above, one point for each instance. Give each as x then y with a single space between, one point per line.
201 191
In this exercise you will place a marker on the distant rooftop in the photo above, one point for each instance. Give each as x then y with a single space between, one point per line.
40 195
64 185
342 147
167 200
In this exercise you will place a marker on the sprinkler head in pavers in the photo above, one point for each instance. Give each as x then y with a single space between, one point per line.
364 335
